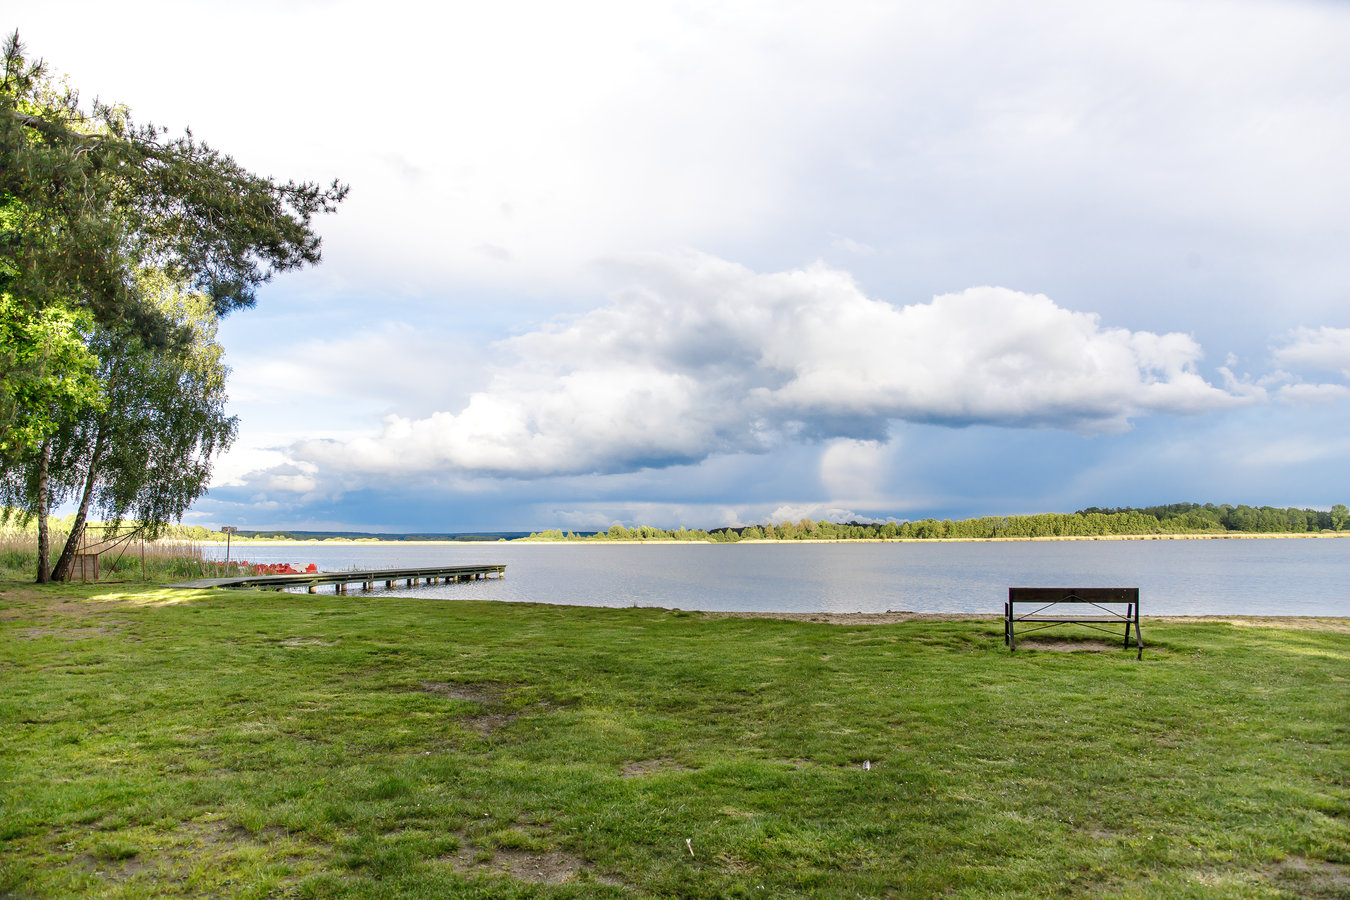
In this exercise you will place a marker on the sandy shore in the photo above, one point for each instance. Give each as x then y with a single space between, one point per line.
892 617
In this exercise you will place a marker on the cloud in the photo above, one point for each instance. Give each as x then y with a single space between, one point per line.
1309 394
380 364
292 479
856 469
604 125
1316 348
795 512
699 356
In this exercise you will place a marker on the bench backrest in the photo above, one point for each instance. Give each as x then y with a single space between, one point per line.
1073 595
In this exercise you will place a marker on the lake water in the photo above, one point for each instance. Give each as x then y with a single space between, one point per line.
1298 577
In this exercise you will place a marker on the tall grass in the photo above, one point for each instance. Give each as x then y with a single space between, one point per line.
153 561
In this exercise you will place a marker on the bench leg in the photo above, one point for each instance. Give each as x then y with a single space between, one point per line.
1138 635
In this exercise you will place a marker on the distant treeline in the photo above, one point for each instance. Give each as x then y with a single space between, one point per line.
373 536
1175 518
12 521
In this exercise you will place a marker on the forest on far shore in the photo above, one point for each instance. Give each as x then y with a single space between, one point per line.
1174 518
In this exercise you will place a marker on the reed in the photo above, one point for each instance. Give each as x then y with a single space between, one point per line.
131 560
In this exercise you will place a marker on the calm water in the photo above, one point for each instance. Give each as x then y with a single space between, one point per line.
1250 577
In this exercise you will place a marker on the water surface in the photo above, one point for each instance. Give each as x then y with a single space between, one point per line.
1303 577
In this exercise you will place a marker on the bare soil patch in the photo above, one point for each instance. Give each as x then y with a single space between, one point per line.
1066 646
1300 623
65 634
1311 877
486 724
641 767
467 691
543 867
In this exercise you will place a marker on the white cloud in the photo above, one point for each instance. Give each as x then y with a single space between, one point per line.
534 136
795 512
1317 348
290 479
699 356
1305 394
854 471
384 364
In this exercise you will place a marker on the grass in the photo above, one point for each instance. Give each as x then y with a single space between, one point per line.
168 743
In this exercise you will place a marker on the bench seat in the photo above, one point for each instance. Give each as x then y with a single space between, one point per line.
1102 607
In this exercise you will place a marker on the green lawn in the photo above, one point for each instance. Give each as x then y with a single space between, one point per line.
269 745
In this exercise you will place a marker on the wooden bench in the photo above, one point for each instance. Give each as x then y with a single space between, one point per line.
1060 606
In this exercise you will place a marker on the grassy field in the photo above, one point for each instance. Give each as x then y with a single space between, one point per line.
165 743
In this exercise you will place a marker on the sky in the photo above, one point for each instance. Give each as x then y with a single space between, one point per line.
708 264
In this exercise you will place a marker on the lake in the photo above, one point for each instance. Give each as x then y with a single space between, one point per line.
1296 577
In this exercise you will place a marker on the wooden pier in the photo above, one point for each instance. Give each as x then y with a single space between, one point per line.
342 581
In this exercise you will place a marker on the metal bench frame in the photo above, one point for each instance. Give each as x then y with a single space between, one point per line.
1047 613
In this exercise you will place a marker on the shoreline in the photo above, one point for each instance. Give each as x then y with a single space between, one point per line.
896 617
1230 536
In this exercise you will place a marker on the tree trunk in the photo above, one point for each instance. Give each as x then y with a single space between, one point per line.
62 570
44 572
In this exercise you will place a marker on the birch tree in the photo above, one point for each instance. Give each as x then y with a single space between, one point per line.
144 453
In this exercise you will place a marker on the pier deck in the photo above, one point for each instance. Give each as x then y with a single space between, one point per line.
341 581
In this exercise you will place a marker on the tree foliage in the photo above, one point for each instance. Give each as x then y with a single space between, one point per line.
89 197
46 375
146 452
1177 518
101 220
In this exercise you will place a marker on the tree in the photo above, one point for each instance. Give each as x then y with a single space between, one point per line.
87 200
46 374
88 197
146 452
1340 516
